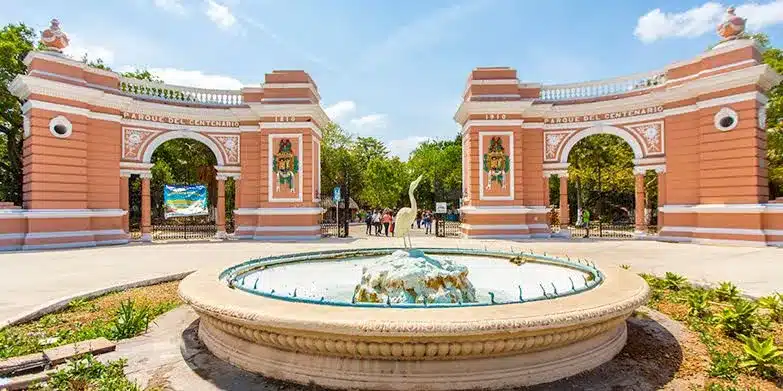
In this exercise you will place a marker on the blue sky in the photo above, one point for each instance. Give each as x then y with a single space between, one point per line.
396 69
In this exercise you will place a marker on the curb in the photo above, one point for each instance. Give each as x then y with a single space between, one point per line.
58 304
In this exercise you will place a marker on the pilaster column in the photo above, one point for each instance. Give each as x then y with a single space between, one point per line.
237 192
661 171
641 225
146 207
221 206
564 212
546 190
125 201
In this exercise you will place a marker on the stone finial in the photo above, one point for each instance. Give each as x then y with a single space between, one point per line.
53 38
732 26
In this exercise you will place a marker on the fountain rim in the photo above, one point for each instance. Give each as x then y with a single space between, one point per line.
618 295
233 273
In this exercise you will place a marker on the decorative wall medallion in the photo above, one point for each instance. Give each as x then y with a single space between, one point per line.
651 135
762 116
230 145
496 163
132 141
60 127
285 165
726 119
552 143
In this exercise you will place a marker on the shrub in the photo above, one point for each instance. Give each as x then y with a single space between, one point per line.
727 291
87 373
740 319
626 267
761 357
130 320
698 303
674 281
724 365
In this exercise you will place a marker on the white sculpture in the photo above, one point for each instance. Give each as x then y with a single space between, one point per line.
413 277
406 216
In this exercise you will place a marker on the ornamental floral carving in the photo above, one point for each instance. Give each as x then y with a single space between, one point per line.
230 145
552 143
651 135
133 140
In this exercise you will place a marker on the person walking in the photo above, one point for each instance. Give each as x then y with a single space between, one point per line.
427 222
376 221
368 222
393 222
387 219
418 219
586 221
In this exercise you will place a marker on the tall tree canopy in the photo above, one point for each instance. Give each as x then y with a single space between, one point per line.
16 40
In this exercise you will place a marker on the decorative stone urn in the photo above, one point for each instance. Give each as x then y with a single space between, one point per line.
53 38
732 26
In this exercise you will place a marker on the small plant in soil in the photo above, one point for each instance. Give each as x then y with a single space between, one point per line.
761 357
724 365
674 281
699 304
131 320
626 267
89 374
727 291
773 303
739 319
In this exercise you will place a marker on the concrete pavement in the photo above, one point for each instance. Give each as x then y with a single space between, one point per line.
31 279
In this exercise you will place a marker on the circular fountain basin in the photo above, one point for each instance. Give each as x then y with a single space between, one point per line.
293 317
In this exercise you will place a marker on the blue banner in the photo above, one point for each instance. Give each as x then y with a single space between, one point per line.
185 200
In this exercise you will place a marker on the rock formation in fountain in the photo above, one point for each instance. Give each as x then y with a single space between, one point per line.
412 277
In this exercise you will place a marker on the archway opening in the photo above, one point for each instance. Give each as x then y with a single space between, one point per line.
601 183
181 161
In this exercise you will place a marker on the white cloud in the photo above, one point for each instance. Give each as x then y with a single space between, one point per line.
340 109
191 78
369 122
220 14
172 6
761 15
403 147
697 21
77 49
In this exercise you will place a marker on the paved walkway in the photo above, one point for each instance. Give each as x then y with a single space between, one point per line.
30 279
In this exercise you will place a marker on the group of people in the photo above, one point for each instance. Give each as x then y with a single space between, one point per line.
382 222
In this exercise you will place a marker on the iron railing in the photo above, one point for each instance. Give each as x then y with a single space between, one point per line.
330 229
606 230
444 229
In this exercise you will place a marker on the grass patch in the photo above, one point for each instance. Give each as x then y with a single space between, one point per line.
744 338
115 316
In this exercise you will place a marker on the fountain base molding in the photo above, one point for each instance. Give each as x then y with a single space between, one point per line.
472 372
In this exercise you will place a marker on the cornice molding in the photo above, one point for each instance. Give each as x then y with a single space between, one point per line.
271 110
466 108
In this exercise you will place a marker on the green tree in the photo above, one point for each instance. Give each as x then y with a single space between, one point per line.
385 180
16 40
774 58
608 159
340 165
441 164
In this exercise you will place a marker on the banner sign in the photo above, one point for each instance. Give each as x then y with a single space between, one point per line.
185 200
336 195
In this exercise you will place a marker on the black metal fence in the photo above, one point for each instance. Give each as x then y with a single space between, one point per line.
444 228
180 230
330 229
606 230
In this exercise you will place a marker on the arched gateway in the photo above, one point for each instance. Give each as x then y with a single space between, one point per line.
86 130
700 124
